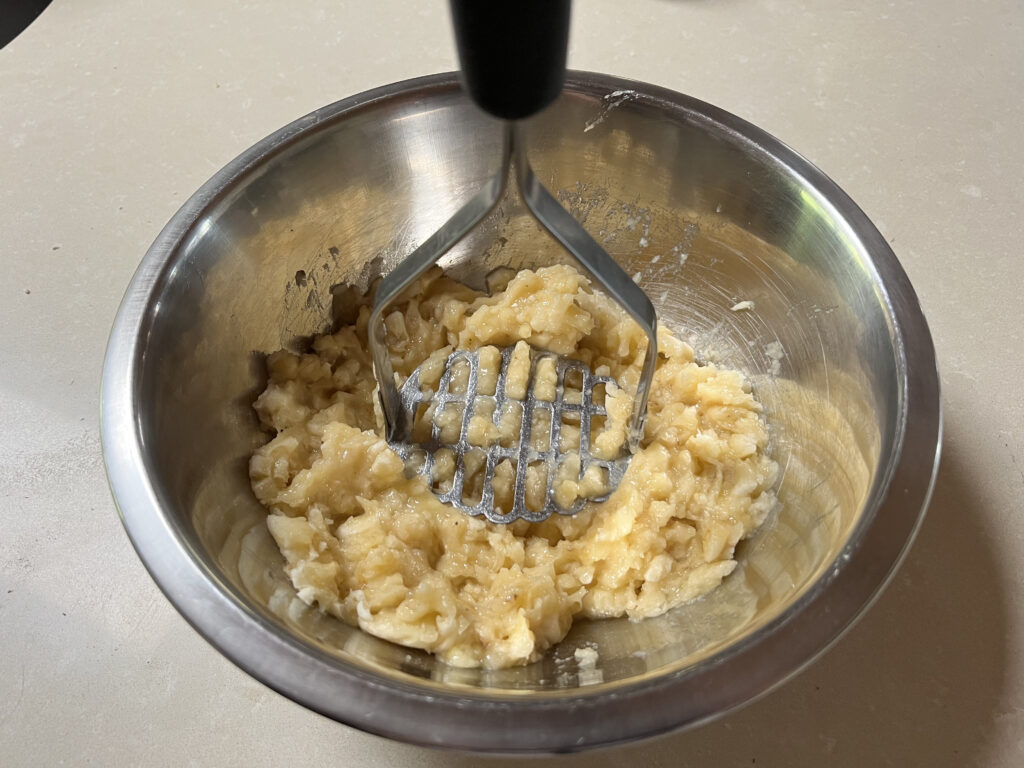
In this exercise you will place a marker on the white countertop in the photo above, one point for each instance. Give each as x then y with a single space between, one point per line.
113 113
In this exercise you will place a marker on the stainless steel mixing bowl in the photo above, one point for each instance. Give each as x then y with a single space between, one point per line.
710 212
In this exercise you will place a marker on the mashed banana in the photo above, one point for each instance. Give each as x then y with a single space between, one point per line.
377 549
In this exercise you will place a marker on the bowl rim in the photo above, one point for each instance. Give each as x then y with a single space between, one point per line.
482 720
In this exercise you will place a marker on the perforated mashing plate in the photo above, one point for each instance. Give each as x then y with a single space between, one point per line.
534 430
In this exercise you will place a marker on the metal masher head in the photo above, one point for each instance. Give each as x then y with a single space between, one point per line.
513 60
535 420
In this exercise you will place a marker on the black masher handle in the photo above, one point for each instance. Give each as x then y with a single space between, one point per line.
512 53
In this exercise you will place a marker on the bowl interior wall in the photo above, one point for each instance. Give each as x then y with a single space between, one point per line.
707 220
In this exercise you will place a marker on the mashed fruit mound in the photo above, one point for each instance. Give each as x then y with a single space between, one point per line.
378 550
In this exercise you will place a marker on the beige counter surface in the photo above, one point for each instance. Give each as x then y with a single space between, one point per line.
113 113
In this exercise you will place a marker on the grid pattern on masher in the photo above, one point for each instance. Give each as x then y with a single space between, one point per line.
522 454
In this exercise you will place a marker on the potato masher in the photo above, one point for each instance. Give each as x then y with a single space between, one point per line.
512 57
